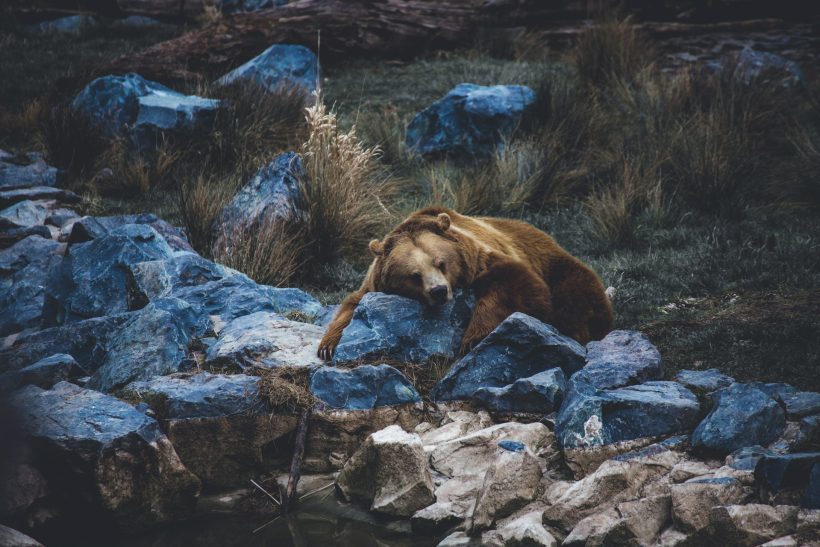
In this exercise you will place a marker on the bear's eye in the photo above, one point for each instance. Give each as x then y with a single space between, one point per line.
416 276
439 263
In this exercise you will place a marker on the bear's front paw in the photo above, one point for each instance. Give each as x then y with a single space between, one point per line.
328 345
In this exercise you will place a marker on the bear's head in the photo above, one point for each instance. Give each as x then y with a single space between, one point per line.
419 259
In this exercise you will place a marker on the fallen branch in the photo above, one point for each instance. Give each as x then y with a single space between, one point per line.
289 496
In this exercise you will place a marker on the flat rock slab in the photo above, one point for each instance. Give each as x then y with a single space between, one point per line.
362 388
397 329
24 214
519 347
264 339
742 416
100 443
33 171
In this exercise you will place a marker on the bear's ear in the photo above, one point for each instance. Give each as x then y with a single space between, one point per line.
443 221
376 247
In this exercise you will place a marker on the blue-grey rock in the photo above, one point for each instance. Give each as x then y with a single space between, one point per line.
470 121
754 66
264 339
60 217
541 393
777 473
89 228
234 6
281 65
519 347
746 458
24 269
142 109
70 24
622 358
218 289
11 196
153 342
776 390
44 373
362 388
742 416
12 236
326 315
121 467
393 328
25 171
512 446
704 382
84 340
801 404
591 417
272 195
811 497
138 22
24 213
91 280
202 395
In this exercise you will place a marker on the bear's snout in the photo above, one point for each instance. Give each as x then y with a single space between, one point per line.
438 294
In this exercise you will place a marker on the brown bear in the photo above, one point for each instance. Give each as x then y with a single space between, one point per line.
510 266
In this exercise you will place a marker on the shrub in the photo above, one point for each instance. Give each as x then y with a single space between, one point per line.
199 199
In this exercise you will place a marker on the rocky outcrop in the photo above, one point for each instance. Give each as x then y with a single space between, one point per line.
519 347
389 473
469 121
362 388
264 339
393 328
122 467
279 67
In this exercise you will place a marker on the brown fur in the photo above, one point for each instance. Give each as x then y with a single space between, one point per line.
510 265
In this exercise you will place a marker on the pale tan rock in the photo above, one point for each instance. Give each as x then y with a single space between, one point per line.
593 530
436 518
786 541
689 469
583 461
510 483
672 537
461 492
613 482
474 452
9 537
808 526
692 501
636 522
646 517
461 539
526 531
456 424
389 472
754 523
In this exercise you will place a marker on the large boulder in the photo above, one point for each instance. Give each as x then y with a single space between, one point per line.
469 121
25 170
540 393
389 474
272 195
279 66
131 105
783 478
637 522
362 388
153 342
511 482
24 270
264 339
85 341
88 228
220 290
752 524
121 467
519 347
593 418
219 425
92 278
742 416
393 328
